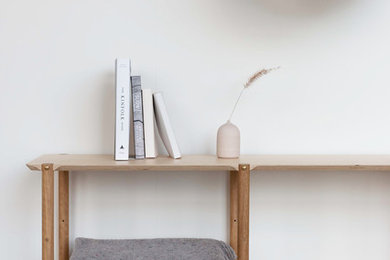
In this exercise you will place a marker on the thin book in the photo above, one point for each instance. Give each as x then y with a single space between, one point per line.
149 125
138 120
164 126
122 109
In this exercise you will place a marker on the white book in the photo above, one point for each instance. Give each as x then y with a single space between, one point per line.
164 126
149 135
122 109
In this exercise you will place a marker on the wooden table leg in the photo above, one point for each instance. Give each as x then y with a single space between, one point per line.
63 215
47 212
243 211
234 210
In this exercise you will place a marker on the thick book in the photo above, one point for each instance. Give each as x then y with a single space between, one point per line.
122 109
149 135
138 120
164 126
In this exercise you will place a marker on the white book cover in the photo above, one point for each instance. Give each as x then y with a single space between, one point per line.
149 135
164 126
122 109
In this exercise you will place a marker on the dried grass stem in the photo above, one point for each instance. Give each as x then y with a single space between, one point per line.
250 81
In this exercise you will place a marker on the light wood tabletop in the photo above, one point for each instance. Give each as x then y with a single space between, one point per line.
98 162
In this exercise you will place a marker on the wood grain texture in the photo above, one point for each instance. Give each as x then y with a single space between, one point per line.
243 211
80 162
234 210
47 212
63 215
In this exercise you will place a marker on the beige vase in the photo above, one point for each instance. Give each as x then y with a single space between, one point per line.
228 141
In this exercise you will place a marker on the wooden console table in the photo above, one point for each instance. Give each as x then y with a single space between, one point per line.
239 170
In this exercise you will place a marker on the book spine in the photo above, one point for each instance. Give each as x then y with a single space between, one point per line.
122 109
150 142
164 126
138 120
131 148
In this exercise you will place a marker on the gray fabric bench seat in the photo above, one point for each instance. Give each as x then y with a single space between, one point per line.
152 249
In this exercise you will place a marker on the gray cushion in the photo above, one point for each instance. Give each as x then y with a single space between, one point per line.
152 249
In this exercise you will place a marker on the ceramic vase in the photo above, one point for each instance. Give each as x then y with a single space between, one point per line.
228 141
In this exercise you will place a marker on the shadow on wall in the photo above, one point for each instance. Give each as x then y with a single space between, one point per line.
303 7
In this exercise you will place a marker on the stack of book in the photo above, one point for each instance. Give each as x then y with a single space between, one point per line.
137 111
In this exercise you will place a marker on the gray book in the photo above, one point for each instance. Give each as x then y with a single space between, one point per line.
138 120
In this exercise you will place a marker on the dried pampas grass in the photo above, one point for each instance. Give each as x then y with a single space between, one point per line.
250 81
257 75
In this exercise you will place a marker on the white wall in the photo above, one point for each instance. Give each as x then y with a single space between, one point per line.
331 96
